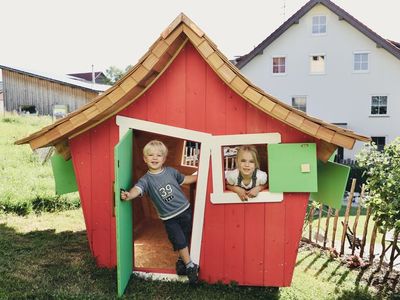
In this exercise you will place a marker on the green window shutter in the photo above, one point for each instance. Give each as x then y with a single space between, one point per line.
64 175
123 210
292 167
332 180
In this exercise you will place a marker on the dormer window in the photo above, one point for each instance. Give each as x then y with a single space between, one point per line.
318 24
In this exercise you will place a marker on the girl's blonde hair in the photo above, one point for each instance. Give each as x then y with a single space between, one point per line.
155 145
254 153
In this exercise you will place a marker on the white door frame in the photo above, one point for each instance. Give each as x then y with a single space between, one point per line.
126 123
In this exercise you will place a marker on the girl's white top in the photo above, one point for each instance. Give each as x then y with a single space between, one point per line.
233 175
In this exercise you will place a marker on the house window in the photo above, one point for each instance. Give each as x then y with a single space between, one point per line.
317 64
319 24
278 65
300 102
379 105
379 141
360 62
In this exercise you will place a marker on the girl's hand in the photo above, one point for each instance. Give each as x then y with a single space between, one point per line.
242 194
253 192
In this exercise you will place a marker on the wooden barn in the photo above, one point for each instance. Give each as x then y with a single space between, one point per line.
33 92
185 92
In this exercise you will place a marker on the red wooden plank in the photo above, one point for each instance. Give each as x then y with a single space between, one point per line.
296 206
274 243
234 213
175 94
81 158
212 256
254 240
101 193
195 89
156 104
215 104
212 262
114 138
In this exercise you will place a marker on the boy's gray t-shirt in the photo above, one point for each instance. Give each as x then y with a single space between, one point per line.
165 192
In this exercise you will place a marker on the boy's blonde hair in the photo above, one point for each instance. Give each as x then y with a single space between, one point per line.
156 145
250 148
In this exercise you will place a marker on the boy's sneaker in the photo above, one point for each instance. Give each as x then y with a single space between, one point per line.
180 267
193 274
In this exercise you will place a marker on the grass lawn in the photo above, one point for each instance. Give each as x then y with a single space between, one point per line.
47 256
26 184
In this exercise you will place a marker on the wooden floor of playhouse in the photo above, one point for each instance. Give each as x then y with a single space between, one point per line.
152 248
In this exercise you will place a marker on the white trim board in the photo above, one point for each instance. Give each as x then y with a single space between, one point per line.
126 123
219 195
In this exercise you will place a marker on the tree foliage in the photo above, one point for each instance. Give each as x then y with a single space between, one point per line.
382 170
113 74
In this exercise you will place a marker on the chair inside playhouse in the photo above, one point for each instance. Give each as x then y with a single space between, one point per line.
152 249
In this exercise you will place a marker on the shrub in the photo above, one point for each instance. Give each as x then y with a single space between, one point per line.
382 184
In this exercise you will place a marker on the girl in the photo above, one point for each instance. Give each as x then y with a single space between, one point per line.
246 180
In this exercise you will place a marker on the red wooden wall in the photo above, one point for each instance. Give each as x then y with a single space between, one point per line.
253 244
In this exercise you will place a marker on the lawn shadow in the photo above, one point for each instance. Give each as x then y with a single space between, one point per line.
300 261
50 264
324 266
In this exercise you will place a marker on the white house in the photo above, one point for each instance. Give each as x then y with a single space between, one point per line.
325 62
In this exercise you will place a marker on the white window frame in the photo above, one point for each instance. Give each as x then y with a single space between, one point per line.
126 123
285 65
219 195
311 58
300 96
319 25
387 105
354 61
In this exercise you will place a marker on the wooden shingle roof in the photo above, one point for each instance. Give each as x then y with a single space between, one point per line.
152 65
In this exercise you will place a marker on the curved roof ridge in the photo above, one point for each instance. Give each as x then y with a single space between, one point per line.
152 65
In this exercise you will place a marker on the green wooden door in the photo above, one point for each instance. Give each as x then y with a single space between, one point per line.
292 167
123 211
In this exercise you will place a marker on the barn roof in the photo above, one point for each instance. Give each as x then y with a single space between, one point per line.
60 79
152 65
390 46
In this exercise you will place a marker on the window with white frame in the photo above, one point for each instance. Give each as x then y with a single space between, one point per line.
317 64
300 102
319 24
361 62
379 105
279 65
379 141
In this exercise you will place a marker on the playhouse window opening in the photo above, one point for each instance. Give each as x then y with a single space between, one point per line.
152 247
230 159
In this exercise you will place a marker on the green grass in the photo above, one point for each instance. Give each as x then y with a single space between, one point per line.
26 184
47 257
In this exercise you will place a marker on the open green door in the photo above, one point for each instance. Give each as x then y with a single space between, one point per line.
123 211
292 167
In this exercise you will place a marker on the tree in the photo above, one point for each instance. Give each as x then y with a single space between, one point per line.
113 74
383 183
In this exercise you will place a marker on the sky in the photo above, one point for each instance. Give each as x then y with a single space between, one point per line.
69 36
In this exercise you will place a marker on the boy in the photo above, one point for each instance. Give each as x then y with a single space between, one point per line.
162 184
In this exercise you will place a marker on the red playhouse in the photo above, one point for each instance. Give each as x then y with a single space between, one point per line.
185 92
